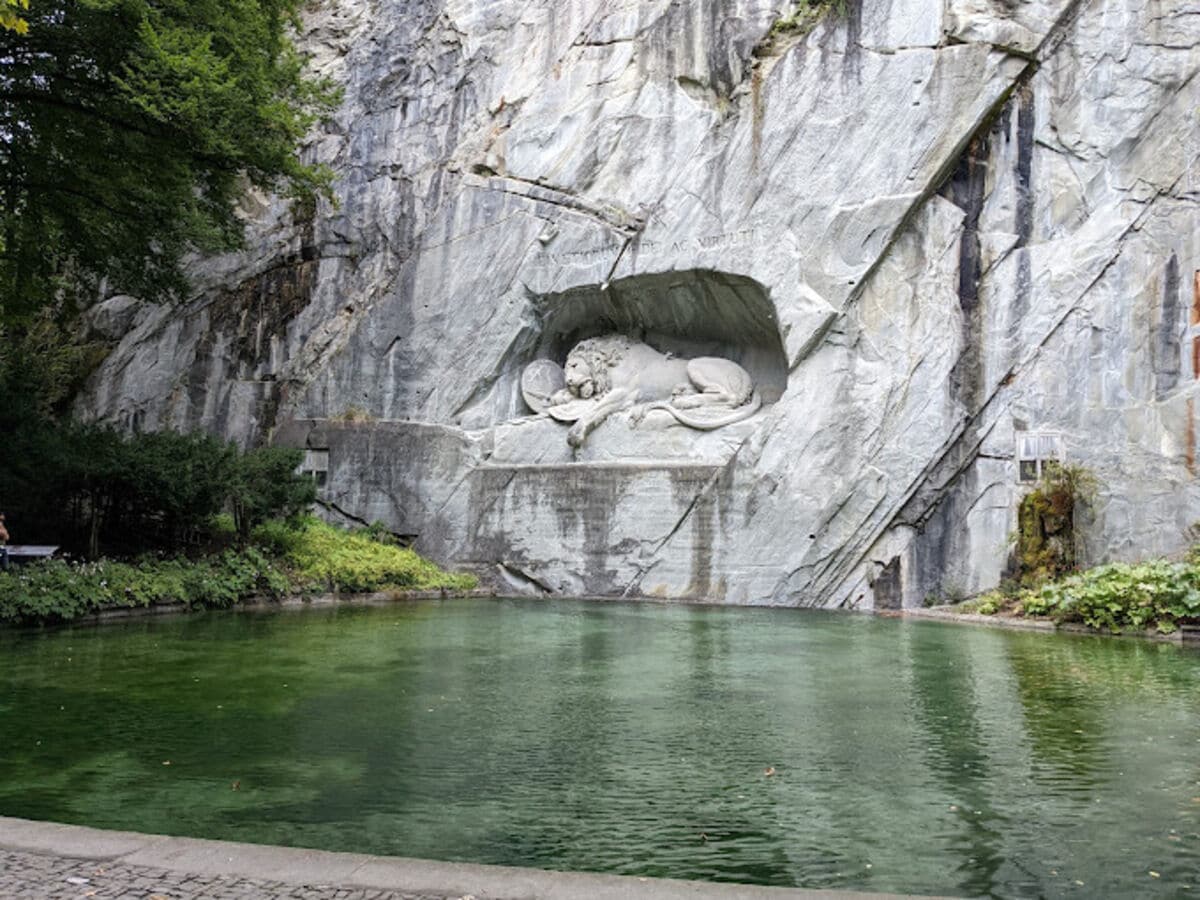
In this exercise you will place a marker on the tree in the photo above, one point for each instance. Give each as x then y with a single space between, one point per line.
266 484
129 129
10 16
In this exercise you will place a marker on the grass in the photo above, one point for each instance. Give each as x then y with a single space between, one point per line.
319 555
304 556
1157 594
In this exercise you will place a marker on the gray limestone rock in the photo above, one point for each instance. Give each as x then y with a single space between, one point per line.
925 230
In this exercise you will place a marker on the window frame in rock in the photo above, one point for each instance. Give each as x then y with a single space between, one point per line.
315 465
1035 451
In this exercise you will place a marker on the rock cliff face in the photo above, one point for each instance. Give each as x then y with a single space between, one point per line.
940 234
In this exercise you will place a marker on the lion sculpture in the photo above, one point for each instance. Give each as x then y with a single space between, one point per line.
604 375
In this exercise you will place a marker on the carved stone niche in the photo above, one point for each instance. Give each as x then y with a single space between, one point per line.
695 323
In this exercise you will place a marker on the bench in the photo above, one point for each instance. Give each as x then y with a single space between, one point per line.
24 553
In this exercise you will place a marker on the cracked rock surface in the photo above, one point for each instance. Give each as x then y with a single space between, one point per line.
932 229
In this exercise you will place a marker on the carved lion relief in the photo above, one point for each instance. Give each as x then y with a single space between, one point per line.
608 374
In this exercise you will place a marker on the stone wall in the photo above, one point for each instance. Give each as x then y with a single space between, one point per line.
932 230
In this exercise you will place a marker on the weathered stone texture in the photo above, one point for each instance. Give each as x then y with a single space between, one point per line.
927 228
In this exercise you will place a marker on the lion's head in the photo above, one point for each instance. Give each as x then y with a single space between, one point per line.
588 364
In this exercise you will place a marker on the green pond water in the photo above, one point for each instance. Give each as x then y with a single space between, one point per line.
908 756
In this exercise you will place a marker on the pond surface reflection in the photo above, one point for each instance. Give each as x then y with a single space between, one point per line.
906 756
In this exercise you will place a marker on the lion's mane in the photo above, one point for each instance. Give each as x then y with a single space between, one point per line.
601 354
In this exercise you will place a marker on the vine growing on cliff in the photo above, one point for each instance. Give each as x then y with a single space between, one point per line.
800 21
1046 521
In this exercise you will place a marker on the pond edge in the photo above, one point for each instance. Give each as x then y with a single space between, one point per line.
1182 637
333 872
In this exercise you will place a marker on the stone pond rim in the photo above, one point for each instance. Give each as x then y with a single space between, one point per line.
130 858
939 240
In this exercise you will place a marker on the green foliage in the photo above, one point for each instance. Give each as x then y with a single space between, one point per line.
60 591
379 531
295 557
40 368
1158 594
10 16
277 537
222 527
263 483
92 489
329 557
131 128
1115 597
1046 523
800 21
88 486
986 604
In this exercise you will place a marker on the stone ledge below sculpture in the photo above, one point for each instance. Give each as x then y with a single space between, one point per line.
539 440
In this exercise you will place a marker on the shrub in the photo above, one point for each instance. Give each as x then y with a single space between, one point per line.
286 557
987 604
60 591
222 527
276 537
1118 596
1156 594
324 556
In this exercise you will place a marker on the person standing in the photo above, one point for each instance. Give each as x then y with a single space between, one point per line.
3 544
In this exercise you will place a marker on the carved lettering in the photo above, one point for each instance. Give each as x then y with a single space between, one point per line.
585 256
726 239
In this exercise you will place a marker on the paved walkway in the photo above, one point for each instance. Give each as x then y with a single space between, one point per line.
47 861
39 876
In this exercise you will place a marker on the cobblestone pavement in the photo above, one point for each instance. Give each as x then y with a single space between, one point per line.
53 861
33 876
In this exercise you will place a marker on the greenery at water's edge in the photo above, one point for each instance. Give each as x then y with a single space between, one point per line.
319 556
302 556
1116 597
94 490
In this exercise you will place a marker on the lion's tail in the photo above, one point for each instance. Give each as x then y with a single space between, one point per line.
707 423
